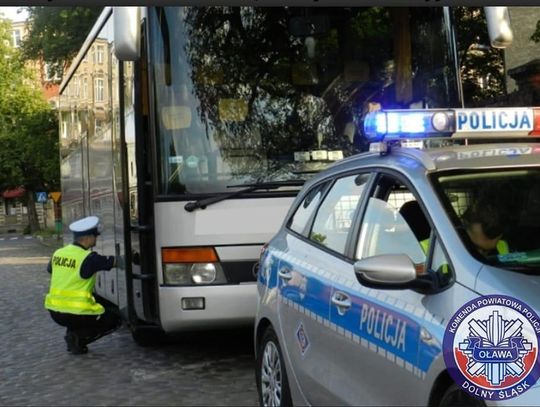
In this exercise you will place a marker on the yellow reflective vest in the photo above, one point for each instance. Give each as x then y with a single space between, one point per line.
502 248
69 293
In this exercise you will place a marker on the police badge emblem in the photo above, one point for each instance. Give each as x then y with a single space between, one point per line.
491 347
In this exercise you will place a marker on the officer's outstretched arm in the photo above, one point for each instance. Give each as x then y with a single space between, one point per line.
120 262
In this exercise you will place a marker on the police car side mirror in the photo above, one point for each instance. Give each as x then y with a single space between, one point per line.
387 271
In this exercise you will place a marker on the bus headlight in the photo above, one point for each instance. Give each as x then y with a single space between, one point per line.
176 274
193 274
203 273
193 266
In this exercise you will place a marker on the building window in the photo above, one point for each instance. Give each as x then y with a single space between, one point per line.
98 56
11 207
100 53
85 88
17 38
98 126
99 90
64 129
50 75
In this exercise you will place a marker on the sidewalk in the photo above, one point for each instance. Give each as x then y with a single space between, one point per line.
51 241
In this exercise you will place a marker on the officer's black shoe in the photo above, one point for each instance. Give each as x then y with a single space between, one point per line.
81 350
73 344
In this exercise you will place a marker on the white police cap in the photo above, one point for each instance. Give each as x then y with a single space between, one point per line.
86 226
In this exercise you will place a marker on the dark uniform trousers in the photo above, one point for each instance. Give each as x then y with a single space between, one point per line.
88 328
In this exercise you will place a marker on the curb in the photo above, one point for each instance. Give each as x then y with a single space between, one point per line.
50 242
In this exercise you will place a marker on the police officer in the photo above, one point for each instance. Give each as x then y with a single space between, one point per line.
70 300
484 224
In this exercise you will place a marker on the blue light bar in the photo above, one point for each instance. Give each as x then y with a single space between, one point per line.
408 124
395 124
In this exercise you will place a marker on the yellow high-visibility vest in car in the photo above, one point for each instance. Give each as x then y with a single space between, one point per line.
69 293
502 248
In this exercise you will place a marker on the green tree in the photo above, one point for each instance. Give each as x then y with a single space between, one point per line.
482 66
28 129
57 33
536 35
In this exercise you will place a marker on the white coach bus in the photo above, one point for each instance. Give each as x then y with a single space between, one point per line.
189 130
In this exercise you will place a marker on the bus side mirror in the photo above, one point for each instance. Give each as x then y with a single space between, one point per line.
499 28
127 33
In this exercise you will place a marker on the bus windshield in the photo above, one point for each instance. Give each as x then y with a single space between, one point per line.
246 95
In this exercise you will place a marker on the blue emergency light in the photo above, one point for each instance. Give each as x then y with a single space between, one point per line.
396 124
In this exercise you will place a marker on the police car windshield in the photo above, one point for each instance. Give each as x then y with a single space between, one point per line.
497 213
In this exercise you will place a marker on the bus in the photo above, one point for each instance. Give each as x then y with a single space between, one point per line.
189 131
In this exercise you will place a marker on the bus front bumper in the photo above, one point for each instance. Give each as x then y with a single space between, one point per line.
224 306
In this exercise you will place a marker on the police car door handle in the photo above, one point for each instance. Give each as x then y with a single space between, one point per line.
342 300
285 273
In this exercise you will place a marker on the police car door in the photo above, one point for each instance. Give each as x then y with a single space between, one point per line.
377 331
311 260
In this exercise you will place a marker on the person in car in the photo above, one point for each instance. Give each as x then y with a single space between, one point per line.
484 224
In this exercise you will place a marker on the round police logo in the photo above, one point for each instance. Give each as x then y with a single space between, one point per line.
491 347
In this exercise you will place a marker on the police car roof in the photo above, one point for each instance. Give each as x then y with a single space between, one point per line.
451 157
485 155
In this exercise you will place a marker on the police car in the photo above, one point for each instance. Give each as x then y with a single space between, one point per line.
379 252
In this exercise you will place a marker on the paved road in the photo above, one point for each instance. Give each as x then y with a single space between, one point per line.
35 369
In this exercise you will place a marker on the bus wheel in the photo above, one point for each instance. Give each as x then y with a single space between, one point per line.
148 336
272 382
455 397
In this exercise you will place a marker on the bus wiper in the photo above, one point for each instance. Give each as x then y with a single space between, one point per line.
203 203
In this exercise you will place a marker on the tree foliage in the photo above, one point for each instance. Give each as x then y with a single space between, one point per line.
57 33
536 35
482 66
28 128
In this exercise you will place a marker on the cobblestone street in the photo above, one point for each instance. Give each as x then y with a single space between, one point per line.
202 369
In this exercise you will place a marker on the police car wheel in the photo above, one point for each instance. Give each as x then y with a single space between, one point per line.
272 382
455 397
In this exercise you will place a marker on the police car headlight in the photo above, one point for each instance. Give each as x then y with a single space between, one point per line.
193 274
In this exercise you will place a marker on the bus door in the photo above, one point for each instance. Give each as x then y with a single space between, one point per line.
139 210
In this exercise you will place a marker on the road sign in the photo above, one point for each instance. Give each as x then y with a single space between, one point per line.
41 197
55 196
